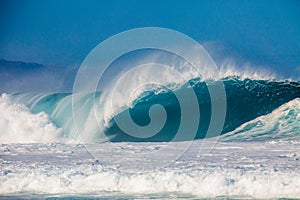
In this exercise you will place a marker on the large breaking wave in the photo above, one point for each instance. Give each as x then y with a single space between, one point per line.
255 109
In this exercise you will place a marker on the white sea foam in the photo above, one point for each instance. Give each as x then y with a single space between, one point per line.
18 124
199 183
239 169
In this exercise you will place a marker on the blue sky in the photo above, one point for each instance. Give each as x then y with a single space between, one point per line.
62 33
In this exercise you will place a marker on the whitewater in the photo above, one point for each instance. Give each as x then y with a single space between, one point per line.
257 154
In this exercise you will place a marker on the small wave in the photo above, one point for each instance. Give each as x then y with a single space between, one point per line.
282 124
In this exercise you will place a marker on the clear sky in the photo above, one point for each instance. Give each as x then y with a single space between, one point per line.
62 33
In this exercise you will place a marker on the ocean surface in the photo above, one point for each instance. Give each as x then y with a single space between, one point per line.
45 153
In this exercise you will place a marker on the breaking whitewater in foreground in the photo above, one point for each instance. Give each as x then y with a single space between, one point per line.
257 155
256 169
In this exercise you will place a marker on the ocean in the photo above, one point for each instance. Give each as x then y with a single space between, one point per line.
51 150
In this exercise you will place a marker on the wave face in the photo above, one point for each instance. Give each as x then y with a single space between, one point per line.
247 100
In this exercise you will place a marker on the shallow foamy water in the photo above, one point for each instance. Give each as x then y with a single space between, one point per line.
230 169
